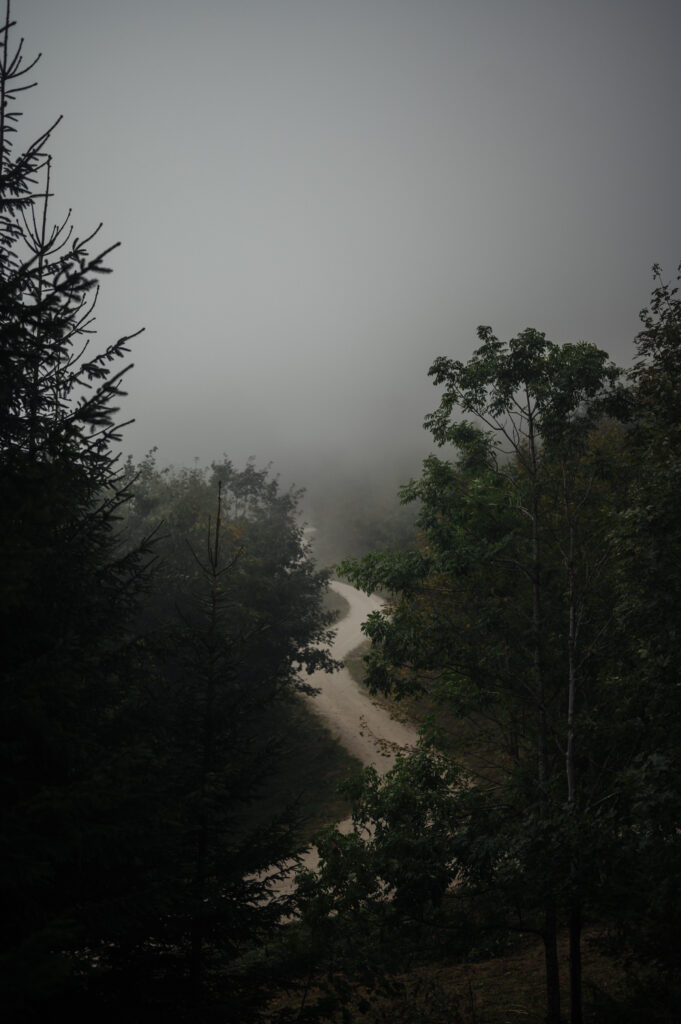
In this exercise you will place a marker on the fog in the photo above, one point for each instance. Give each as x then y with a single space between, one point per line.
317 197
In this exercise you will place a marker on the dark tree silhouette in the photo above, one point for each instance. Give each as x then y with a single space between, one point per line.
67 690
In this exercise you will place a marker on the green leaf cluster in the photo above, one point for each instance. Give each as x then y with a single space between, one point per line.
541 607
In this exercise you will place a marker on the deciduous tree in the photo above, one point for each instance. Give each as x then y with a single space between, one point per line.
646 723
492 603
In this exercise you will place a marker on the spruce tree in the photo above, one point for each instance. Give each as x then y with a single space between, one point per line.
236 619
68 706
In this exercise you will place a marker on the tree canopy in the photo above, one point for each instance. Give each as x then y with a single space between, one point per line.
159 625
513 615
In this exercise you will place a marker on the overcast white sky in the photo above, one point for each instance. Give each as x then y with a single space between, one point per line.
317 197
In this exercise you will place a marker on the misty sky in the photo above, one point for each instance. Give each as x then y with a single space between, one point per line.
317 197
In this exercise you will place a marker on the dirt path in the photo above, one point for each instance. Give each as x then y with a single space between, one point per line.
364 728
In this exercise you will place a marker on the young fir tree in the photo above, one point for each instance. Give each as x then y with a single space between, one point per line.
236 613
68 751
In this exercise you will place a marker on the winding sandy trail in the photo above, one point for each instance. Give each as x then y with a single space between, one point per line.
364 728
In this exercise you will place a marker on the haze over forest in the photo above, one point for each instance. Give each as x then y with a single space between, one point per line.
315 199
317 203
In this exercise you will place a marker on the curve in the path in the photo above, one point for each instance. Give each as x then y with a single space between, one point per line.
365 728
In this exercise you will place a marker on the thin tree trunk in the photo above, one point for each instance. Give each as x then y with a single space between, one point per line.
549 932
549 935
201 869
575 922
536 619
576 1016
572 675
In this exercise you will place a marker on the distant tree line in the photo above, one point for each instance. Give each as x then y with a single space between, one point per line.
354 513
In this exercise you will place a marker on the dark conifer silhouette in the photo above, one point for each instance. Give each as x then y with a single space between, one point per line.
134 875
68 762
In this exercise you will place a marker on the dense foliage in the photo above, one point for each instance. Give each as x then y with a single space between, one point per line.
146 668
70 747
234 619
158 625
541 607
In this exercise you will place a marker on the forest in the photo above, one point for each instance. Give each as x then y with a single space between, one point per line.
162 769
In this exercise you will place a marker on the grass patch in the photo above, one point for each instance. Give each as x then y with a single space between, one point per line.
498 990
335 602
313 763
314 766
400 710
354 662
310 767
512 987
473 742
